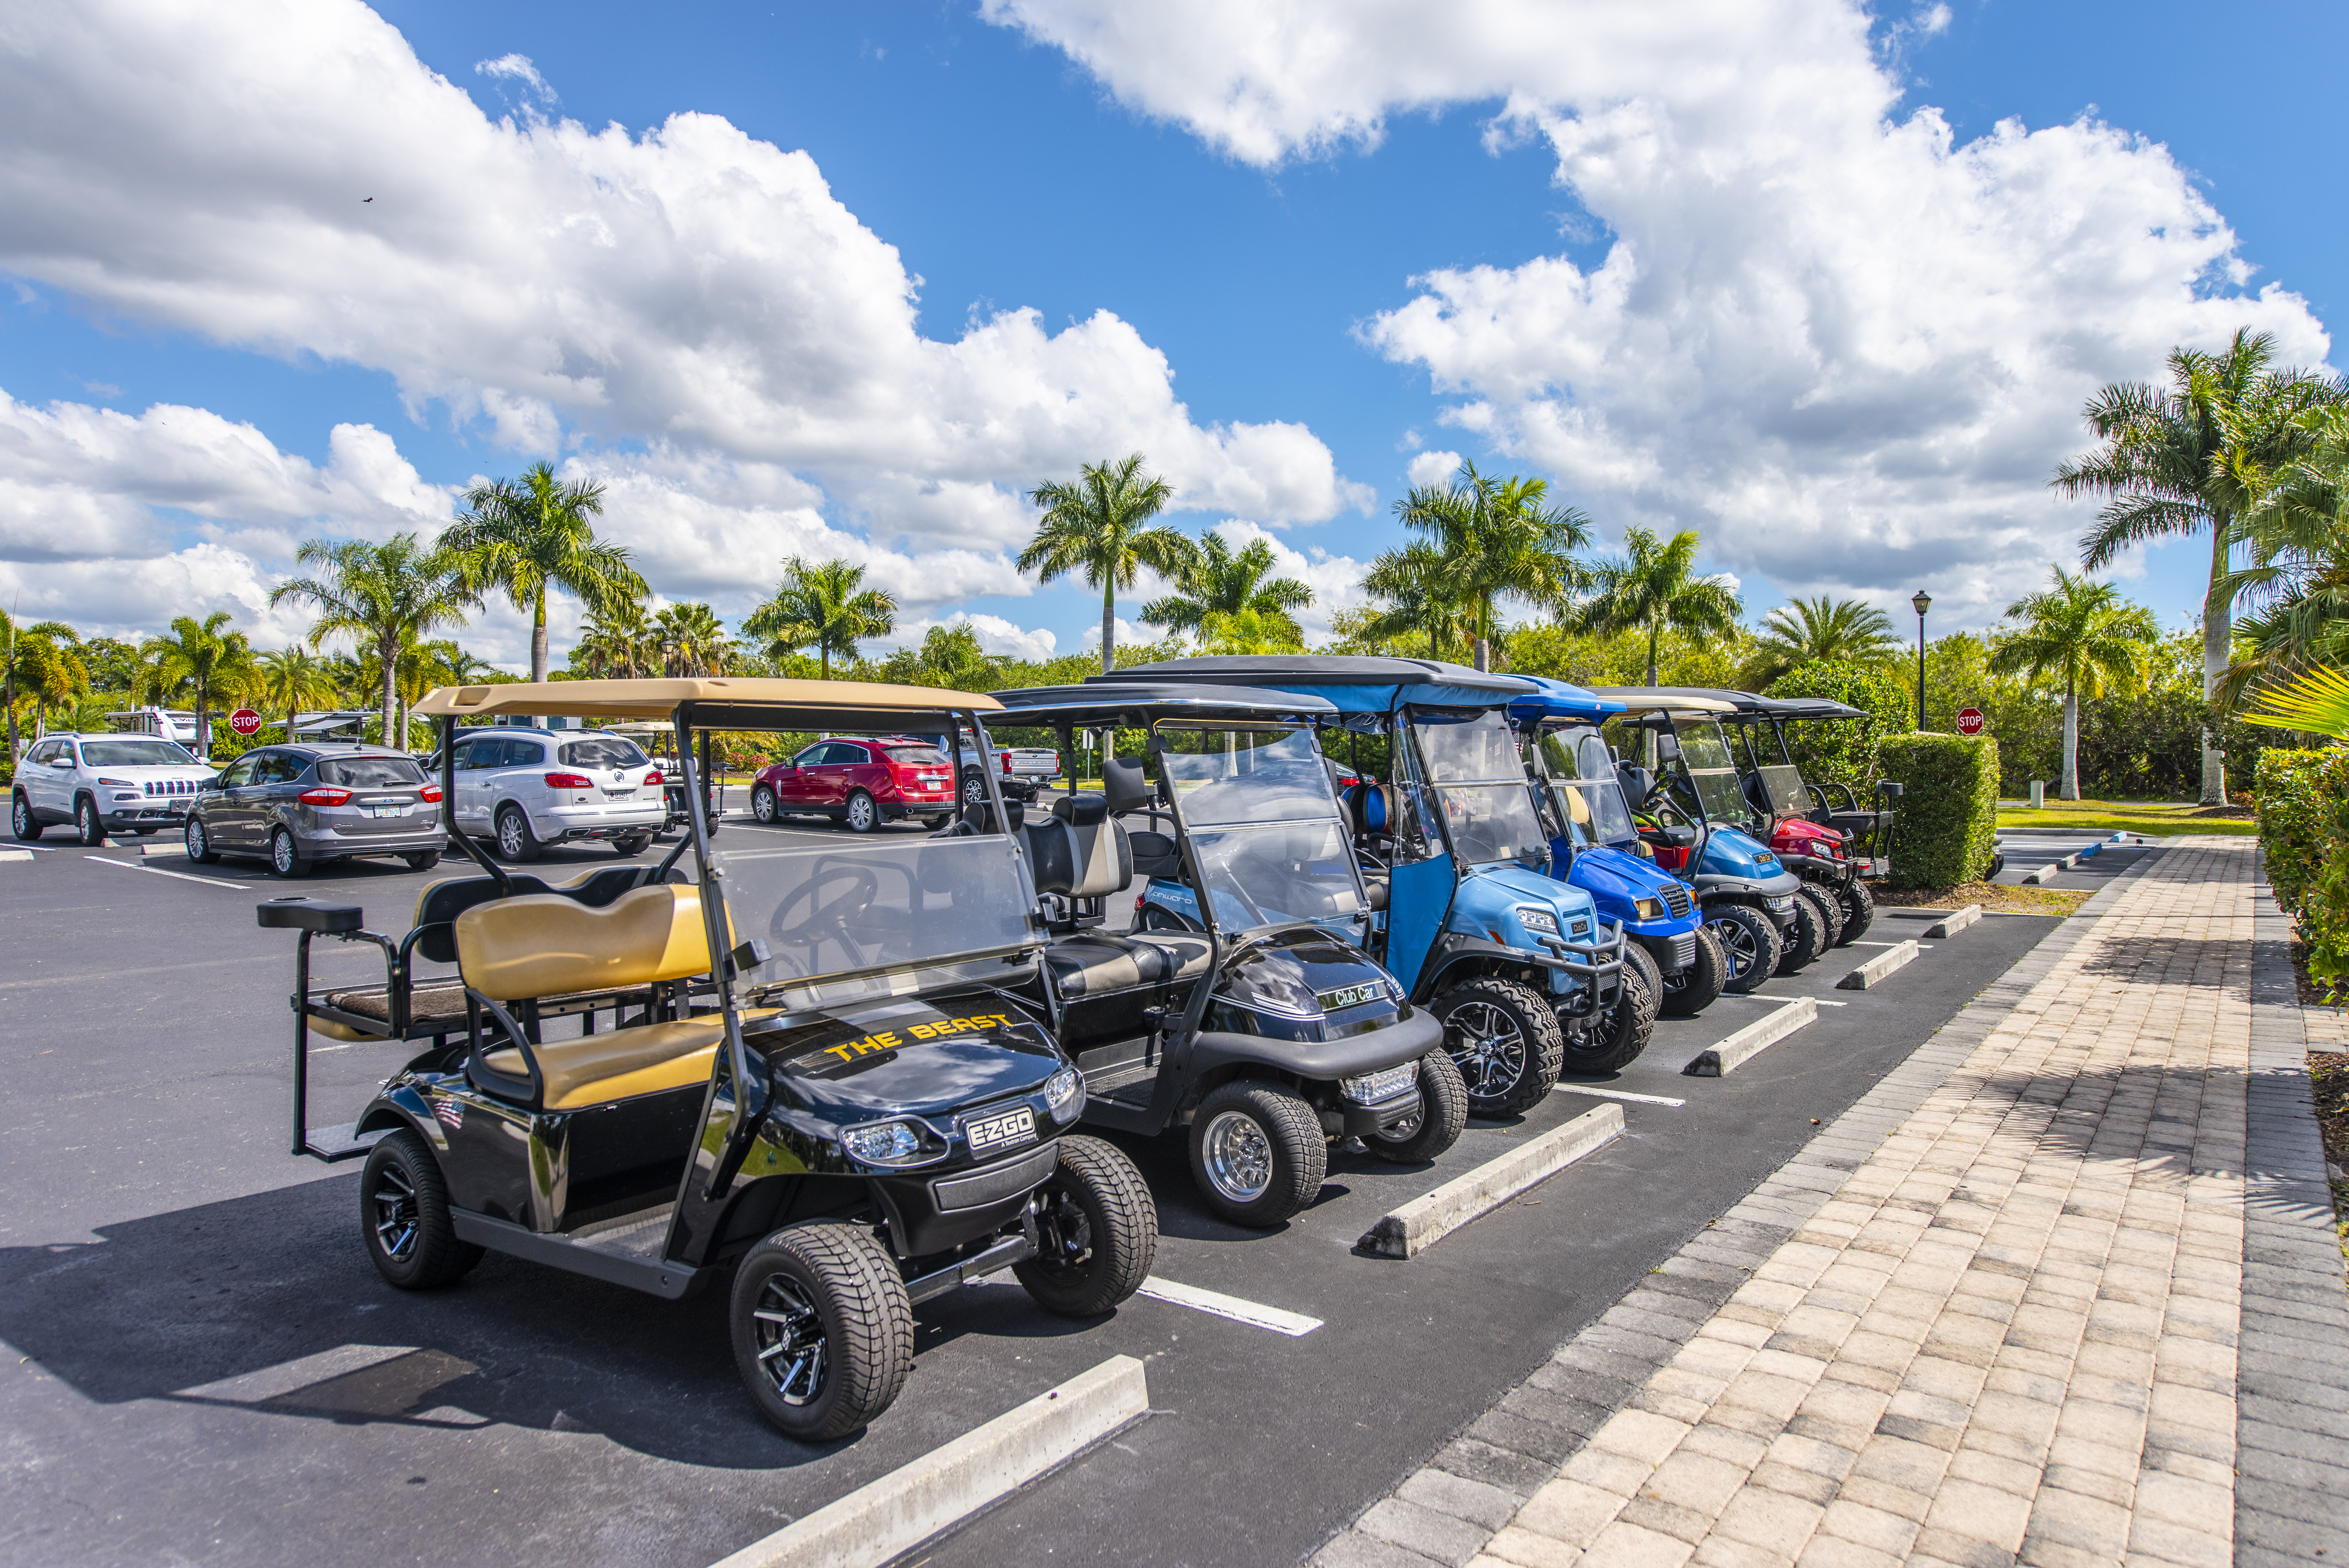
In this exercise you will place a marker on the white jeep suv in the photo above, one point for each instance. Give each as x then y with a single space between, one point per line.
103 784
523 789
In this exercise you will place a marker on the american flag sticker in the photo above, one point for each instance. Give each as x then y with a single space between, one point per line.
451 1112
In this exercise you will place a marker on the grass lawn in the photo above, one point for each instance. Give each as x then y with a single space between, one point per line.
2151 817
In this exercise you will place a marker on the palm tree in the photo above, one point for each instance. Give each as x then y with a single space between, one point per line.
2298 575
1220 581
383 598
1249 631
524 537
2081 632
292 678
1808 630
1100 526
2316 702
209 664
2198 456
1415 589
824 604
949 657
45 663
691 640
1654 584
617 642
1496 538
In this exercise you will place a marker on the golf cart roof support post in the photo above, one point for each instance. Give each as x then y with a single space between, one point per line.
462 839
750 1095
1194 1009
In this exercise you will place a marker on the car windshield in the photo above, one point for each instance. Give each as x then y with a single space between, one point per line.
370 773
1479 782
1265 824
135 755
843 911
603 751
1580 773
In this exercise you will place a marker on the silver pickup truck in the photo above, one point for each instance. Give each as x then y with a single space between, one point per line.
1019 771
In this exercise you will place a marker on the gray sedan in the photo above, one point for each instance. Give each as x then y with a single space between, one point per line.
298 805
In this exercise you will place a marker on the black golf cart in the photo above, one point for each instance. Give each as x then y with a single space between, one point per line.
1243 1005
824 1071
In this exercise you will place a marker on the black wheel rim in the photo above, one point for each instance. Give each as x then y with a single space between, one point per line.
1738 944
795 1353
1485 1043
394 1201
1064 1235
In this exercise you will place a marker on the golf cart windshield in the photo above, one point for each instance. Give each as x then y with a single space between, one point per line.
1783 786
1478 779
1580 773
1258 809
1706 754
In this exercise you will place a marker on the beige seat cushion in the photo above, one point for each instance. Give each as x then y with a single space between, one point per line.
596 1069
543 944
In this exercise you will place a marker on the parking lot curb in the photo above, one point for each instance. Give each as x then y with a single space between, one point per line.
1755 1037
1427 1220
1879 966
16 854
891 1516
1956 920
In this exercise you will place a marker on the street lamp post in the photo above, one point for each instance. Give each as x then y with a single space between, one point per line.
1923 601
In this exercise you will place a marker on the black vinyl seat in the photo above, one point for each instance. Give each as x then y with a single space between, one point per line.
1099 962
1081 852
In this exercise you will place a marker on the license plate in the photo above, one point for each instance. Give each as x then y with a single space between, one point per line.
1009 1130
1348 996
387 811
618 793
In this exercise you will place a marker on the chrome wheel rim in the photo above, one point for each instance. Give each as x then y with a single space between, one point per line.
1237 1156
23 814
1737 942
510 835
860 813
762 804
1486 1045
87 823
974 790
394 1200
195 840
793 1351
281 853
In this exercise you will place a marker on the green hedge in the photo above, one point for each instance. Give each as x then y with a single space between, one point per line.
1947 825
2303 803
1844 750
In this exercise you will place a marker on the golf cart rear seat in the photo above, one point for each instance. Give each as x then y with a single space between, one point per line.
1080 852
545 945
437 1008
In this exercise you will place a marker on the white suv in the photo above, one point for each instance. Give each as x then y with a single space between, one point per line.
103 784
524 789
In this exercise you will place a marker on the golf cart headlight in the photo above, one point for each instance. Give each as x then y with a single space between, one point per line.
1383 1085
1540 920
1062 1091
887 1144
1649 909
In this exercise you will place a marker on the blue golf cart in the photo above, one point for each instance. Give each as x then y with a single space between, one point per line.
1527 978
1689 806
1595 845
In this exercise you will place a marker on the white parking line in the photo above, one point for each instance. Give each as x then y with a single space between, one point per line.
1773 996
159 871
1257 1316
1620 1095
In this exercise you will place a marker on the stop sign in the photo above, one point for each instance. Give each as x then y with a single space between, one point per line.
1970 722
245 722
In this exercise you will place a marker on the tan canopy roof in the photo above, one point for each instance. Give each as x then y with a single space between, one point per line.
659 698
1640 699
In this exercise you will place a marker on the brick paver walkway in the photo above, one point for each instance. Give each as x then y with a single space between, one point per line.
2011 1332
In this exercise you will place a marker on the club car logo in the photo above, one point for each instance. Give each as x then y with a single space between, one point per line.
1348 996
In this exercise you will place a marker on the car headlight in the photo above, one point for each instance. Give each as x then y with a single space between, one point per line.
1383 1085
1649 908
891 1144
1540 920
1061 1093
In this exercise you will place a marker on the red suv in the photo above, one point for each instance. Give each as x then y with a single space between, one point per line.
862 782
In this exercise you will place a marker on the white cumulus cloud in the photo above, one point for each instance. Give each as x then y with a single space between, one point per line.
1847 346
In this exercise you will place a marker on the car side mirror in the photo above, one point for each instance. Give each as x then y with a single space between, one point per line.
60 761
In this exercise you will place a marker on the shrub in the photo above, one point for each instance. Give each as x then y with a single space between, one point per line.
1947 825
2303 802
1844 750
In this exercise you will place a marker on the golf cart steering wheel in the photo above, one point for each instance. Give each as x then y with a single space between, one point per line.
830 919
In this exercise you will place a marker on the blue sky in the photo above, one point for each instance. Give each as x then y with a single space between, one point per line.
1048 157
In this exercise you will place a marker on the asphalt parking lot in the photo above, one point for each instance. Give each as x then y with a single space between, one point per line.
205 1366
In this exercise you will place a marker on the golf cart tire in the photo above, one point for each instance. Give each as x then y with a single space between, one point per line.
1444 1112
432 1256
520 845
1800 944
1858 911
1831 908
1097 1186
1298 1150
1623 1032
860 1304
1759 930
1699 985
1536 1025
